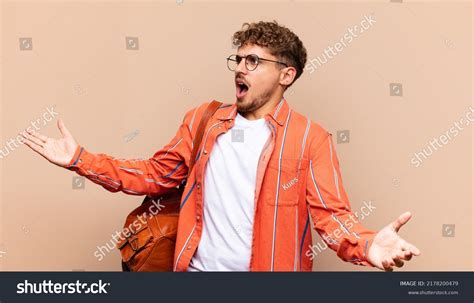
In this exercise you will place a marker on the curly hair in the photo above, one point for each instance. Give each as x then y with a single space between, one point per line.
279 40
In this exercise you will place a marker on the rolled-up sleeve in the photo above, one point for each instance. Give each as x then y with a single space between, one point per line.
165 170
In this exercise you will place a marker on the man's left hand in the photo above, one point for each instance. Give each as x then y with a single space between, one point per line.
388 249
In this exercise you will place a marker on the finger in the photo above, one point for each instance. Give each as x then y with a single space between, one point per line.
386 265
407 247
37 135
398 263
407 255
34 147
33 139
63 129
21 138
392 263
415 251
400 221
398 259
409 250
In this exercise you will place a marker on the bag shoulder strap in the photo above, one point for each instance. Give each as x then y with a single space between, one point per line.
210 110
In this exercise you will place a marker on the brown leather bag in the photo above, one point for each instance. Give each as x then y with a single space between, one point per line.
153 225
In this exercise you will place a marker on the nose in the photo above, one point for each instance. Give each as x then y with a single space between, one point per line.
241 69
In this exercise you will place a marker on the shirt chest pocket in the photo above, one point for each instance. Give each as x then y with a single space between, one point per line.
286 178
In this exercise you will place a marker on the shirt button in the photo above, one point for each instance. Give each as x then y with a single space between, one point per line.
205 152
198 217
198 186
189 247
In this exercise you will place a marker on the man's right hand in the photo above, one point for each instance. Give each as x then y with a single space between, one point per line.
57 151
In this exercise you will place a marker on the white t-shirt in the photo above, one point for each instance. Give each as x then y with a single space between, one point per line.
229 192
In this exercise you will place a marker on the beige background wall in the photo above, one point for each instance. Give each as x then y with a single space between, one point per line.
129 103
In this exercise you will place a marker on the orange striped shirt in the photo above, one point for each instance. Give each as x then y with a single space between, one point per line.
298 176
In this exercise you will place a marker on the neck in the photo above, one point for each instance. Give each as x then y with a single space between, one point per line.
266 108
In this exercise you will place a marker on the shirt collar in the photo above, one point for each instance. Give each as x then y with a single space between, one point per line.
278 114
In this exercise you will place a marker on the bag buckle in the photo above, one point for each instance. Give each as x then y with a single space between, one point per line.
133 241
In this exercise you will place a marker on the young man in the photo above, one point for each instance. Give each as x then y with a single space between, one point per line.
262 171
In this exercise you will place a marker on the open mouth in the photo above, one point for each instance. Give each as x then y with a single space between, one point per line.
241 88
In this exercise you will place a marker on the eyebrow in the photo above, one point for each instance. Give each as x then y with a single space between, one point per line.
245 55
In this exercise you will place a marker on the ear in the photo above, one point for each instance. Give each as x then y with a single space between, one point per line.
287 75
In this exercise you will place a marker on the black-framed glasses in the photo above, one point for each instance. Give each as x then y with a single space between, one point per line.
251 61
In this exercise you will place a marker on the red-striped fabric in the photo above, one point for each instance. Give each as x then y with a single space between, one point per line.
298 176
